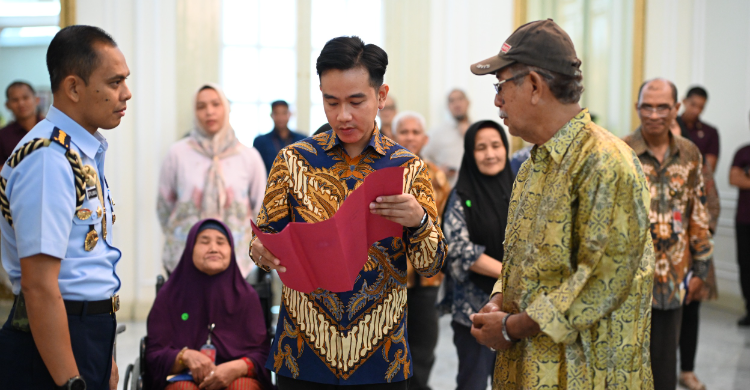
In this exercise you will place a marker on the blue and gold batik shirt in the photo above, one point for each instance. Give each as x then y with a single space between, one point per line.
359 336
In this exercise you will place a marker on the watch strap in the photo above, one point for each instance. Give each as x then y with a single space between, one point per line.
506 336
422 222
75 383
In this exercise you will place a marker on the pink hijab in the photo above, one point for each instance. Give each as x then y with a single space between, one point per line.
217 147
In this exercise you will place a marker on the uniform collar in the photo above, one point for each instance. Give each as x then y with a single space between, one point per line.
376 141
87 143
639 145
559 143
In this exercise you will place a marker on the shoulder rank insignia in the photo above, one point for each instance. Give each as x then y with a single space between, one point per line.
61 137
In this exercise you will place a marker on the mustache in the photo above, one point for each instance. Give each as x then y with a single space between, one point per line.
501 112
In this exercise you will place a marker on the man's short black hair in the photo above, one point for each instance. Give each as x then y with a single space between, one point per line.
18 83
697 91
671 85
344 53
323 128
72 52
279 103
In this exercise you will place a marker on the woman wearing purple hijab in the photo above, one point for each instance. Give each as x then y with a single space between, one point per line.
207 288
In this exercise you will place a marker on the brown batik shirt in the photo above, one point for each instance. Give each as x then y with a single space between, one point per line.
679 217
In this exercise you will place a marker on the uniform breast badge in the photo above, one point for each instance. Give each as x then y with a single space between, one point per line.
91 239
94 187
83 214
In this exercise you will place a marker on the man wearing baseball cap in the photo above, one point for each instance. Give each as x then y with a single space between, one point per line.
572 307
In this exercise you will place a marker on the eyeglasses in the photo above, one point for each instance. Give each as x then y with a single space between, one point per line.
499 86
660 110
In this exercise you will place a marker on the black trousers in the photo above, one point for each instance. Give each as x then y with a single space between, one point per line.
689 335
665 333
742 232
287 383
423 329
476 363
92 338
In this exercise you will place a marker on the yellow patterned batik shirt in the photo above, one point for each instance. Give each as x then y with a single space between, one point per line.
355 337
579 260
679 217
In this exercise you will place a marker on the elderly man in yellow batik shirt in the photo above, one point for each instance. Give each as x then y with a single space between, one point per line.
572 308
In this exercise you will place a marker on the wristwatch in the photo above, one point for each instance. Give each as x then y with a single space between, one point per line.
504 330
74 383
423 221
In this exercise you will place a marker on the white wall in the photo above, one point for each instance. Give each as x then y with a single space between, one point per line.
146 33
690 42
462 33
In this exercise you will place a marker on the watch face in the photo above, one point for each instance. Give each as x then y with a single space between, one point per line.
77 384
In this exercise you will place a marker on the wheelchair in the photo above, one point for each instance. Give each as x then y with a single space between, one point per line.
261 281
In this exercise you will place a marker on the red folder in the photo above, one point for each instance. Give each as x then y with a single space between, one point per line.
331 253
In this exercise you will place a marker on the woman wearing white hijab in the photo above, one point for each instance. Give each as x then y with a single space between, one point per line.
209 174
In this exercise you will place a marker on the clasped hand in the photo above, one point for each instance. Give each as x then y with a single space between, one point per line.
487 327
206 374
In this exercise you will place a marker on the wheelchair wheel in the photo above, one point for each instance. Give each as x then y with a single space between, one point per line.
128 373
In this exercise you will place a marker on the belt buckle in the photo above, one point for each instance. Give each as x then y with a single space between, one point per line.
115 303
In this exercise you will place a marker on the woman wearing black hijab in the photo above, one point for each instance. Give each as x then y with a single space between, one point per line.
474 227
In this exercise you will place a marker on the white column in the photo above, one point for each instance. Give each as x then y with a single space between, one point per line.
461 33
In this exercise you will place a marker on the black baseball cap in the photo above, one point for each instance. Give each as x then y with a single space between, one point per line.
541 43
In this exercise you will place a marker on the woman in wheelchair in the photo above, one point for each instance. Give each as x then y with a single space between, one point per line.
206 308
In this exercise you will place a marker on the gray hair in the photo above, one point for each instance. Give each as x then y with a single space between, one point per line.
408 115
566 89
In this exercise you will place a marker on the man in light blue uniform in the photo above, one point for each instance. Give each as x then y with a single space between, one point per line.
57 225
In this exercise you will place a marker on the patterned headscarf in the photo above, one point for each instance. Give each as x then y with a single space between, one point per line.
221 145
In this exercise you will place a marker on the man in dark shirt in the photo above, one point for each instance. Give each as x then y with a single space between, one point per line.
22 101
703 135
739 176
269 144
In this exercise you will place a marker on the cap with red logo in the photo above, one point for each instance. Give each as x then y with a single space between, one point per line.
541 43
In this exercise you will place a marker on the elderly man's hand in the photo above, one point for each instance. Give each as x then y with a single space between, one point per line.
264 257
695 289
487 329
402 209
494 304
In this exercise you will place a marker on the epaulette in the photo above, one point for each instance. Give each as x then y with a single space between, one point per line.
62 138
59 137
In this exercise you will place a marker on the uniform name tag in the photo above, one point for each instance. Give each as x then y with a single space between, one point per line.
91 192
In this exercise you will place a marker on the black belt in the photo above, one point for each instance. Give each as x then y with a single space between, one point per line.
105 306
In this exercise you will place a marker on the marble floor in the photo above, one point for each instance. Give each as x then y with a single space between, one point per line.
723 361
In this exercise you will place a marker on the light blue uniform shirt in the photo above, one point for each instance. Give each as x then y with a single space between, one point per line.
42 200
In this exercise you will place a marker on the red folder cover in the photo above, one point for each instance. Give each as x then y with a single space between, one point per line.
331 253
